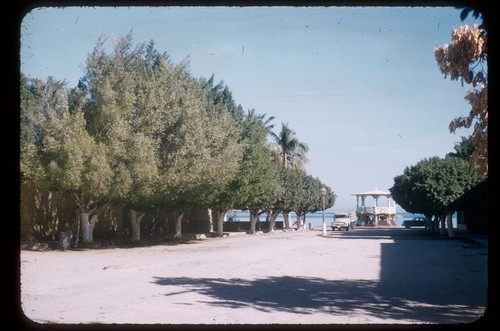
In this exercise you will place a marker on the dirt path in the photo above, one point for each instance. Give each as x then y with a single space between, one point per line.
365 276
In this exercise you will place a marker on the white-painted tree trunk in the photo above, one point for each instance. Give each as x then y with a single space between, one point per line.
178 226
87 217
449 225
298 221
88 222
135 224
211 219
286 220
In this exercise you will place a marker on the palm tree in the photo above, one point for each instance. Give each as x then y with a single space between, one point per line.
259 120
293 153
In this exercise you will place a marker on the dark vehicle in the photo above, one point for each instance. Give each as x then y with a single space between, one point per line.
416 221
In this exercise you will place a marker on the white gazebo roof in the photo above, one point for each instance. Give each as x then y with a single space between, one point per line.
374 192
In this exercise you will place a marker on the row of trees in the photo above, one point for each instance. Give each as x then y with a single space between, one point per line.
141 132
433 186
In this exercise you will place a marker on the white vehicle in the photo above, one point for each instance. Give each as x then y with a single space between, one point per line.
342 221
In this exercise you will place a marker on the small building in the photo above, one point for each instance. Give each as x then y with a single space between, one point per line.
375 208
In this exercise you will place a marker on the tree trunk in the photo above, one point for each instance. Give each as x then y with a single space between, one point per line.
220 222
88 216
435 225
88 222
211 220
449 223
297 221
272 221
428 223
135 224
442 223
286 220
165 228
77 237
178 226
254 214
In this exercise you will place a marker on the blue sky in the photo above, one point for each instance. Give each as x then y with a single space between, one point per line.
359 85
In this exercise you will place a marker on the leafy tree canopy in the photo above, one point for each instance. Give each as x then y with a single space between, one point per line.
431 186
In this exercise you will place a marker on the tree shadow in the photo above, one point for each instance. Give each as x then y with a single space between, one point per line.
310 295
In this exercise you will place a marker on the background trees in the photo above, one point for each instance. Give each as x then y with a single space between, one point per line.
293 152
310 198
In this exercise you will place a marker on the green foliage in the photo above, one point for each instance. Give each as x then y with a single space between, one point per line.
311 199
291 180
302 192
431 186
172 138
141 131
58 155
464 149
293 152
257 184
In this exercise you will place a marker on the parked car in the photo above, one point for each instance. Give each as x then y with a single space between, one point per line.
342 221
416 221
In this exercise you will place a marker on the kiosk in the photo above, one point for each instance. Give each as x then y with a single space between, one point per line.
375 208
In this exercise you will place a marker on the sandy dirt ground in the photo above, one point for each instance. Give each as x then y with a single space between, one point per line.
363 276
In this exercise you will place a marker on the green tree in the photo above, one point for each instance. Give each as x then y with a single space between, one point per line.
310 199
190 128
60 155
227 198
206 149
292 181
289 182
463 149
31 115
257 184
431 186
293 152
117 99
266 123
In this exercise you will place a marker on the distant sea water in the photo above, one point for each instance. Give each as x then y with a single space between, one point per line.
316 219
